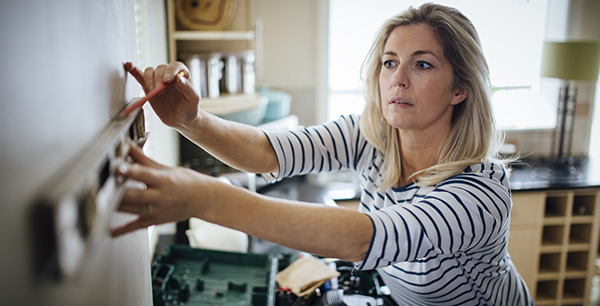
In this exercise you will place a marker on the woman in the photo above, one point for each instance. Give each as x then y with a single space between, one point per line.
435 205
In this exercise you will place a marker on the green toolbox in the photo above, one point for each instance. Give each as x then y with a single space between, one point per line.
191 276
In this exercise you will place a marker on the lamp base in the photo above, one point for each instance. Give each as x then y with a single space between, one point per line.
560 169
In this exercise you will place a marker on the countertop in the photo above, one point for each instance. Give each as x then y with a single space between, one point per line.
532 175
529 175
329 188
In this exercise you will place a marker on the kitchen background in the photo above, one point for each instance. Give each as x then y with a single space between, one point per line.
295 51
63 82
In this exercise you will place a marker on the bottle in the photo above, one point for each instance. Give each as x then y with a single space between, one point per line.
595 292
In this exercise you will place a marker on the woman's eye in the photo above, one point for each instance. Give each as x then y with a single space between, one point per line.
423 65
388 64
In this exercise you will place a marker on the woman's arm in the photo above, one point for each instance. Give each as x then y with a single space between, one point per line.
178 194
314 228
241 146
465 214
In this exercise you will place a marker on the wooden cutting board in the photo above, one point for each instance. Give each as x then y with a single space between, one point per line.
206 15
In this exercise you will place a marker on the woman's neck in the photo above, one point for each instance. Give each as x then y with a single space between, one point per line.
419 152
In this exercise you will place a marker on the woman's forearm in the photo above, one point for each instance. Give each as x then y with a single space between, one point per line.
240 146
314 228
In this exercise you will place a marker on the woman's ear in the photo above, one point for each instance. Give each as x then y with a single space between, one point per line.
460 95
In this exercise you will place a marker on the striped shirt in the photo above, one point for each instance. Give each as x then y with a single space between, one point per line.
442 245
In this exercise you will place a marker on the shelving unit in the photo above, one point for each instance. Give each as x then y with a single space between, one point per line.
240 36
558 267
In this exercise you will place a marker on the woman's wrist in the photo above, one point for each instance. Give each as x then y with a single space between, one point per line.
193 124
214 202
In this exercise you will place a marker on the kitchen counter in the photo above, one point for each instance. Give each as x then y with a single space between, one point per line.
531 176
329 188
526 176
316 188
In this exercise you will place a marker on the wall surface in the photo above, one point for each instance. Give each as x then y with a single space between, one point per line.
290 52
583 24
152 49
63 82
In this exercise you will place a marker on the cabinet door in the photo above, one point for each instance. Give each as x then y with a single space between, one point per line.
528 208
525 234
523 247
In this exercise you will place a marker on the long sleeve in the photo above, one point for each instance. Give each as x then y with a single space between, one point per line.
463 214
442 245
327 147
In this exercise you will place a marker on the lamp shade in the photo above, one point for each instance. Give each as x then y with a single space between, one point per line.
571 60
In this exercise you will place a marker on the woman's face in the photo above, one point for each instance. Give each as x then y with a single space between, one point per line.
416 81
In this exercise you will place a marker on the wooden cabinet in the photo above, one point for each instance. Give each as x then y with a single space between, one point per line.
554 243
525 234
239 37
243 34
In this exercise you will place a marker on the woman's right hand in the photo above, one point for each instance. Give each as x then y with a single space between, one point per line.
177 105
170 193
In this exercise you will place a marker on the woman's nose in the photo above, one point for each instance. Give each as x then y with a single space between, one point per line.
400 77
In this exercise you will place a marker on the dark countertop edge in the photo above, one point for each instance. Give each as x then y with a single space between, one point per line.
523 176
522 179
524 187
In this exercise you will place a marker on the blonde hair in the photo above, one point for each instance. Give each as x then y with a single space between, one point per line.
473 136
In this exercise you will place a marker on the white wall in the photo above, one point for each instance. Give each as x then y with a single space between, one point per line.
588 12
162 145
63 82
290 51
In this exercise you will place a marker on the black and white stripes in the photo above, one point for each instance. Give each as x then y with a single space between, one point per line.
433 246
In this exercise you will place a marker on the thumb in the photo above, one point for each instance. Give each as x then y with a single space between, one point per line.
130 227
139 157
186 88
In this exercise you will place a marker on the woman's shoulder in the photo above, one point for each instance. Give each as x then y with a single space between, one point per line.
487 173
351 120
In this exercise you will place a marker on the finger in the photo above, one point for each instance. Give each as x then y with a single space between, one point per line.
159 73
173 69
131 226
186 88
132 208
135 201
149 78
146 210
136 73
139 157
141 173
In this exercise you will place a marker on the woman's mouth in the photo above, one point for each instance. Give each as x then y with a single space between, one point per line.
397 100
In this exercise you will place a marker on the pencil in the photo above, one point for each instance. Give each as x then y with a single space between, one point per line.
151 94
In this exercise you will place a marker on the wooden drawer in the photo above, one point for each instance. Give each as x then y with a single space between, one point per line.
528 208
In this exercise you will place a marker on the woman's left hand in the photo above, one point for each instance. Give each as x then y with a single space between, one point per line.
171 194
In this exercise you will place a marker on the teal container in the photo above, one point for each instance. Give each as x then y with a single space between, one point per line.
279 103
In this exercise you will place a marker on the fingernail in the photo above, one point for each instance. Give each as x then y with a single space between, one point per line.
167 77
123 168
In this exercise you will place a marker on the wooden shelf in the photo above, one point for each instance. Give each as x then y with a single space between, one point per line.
554 220
213 35
566 227
547 276
578 247
240 35
229 104
545 249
